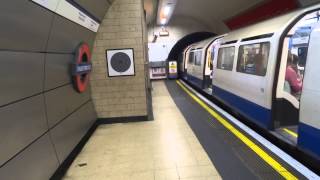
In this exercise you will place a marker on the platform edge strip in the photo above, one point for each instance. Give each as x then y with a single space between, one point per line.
302 169
259 151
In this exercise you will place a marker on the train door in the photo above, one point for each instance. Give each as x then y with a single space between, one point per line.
181 64
189 63
198 67
286 105
208 71
185 61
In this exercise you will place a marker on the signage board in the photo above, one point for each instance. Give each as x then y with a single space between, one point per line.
67 10
173 69
49 4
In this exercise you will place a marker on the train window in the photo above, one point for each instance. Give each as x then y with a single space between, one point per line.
226 58
191 57
253 58
198 56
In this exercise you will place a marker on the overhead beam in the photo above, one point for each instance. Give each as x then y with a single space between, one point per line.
261 12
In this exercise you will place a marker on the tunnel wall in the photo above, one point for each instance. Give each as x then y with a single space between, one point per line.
124 96
42 117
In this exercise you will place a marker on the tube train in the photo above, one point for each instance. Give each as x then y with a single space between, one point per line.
268 73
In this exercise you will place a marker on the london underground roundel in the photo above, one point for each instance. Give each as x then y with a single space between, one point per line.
82 67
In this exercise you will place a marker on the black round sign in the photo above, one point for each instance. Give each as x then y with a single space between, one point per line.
120 62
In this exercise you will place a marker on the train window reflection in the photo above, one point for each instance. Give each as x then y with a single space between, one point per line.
226 58
253 58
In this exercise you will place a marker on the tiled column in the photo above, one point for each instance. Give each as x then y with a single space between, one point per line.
122 27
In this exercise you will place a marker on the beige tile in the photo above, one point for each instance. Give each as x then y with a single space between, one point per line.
208 170
202 157
143 165
167 174
194 178
147 175
214 178
161 164
186 162
189 172
123 168
125 176
203 178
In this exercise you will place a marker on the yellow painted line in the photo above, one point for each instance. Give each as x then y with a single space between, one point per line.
291 132
259 151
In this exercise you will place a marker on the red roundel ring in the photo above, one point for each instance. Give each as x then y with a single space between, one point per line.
82 67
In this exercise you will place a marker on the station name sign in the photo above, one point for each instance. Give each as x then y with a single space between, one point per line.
80 69
69 11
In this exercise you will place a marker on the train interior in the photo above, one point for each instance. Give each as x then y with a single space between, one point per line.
290 79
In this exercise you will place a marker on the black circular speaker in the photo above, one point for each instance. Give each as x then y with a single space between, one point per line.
120 62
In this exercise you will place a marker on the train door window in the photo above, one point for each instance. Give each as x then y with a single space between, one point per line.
191 57
296 53
226 58
198 55
253 58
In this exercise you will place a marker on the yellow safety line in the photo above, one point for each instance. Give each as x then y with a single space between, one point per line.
290 132
259 151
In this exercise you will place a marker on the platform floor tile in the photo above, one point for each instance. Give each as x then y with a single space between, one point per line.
163 149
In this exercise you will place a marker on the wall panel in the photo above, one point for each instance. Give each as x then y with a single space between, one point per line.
58 70
37 162
21 75
69 132
21 123
62 102
66 36
25 26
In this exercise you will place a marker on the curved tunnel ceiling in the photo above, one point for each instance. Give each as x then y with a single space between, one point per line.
210 11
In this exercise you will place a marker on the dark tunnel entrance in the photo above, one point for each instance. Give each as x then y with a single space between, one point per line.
176 51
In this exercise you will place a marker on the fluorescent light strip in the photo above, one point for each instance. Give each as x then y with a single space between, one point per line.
267 144
67 10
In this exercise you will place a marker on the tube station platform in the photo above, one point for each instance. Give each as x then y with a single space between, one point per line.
188 140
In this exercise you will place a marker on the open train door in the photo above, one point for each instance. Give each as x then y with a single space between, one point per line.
309 126
290 77
208 73
207 70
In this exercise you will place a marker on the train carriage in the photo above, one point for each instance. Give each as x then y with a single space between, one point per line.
268 73
198 63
